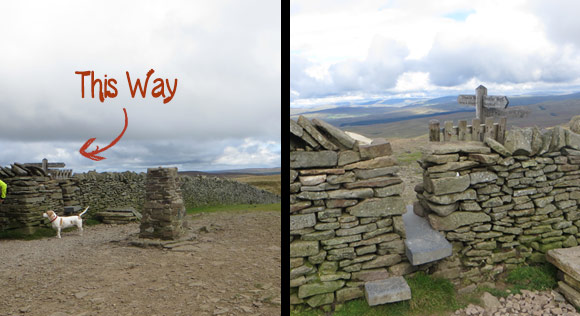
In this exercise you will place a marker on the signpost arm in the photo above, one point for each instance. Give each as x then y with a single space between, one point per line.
480 92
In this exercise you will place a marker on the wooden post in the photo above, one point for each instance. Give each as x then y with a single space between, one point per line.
475 130
448 131
45 165
434 131
462 125
480 93
489 128
501 129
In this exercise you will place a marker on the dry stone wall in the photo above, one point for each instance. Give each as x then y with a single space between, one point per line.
203 190
31 192
106 190
502 205
345 214
29 197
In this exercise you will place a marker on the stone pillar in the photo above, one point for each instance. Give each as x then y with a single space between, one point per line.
163 211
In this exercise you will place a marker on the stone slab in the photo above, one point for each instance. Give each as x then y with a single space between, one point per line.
377 207
310 159
302 221
390 290
335 132
567 260
423 243
571 295
457 219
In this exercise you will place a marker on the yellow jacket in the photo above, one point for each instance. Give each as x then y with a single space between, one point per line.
3 186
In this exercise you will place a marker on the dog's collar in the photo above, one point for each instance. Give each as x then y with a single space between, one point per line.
54 219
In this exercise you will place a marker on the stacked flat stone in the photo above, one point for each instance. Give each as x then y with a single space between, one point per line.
119 215
69 192
27 198
502 205
568 262
345 214
19 170
163 211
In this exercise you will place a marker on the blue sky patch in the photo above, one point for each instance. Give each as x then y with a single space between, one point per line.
459 15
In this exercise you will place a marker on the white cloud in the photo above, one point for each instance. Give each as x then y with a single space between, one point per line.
251 153
225 54
431 46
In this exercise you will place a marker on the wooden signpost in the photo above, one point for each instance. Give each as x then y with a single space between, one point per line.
482 101
486 108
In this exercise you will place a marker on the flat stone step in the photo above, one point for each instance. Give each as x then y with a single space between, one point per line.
423 243
567 260
389 290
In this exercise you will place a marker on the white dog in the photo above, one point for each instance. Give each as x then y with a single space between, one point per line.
59 223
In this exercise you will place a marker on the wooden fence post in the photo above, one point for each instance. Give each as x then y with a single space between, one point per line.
448 131
475 129
462 125
501 129
434 131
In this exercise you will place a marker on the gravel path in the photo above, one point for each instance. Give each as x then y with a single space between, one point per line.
232 268
545 303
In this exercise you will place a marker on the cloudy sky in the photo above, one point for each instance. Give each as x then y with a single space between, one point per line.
364 49
226 56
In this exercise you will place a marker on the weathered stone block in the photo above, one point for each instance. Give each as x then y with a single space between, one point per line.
373 183
311 289
382 261
482 177
310 159
469 194
377 148
390 190
518 141
362 193
392 205
347 157
449 185
380 162
457 219
300 248
440 159
302 221
349 293
390 290
321 299
336 133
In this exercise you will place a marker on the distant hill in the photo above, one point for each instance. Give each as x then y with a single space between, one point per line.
234 172
412 120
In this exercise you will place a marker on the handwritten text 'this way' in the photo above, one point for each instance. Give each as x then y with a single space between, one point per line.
107 87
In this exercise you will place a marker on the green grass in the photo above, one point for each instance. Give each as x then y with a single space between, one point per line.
270 183
408 158
234 208
437 296
91 222
532 278
433 296
42 232
540 277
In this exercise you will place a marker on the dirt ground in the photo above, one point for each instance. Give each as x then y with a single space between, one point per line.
410 172
231 268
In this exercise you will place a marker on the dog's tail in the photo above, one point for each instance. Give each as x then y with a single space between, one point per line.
86 209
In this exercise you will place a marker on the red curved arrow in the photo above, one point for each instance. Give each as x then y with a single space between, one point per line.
93 154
